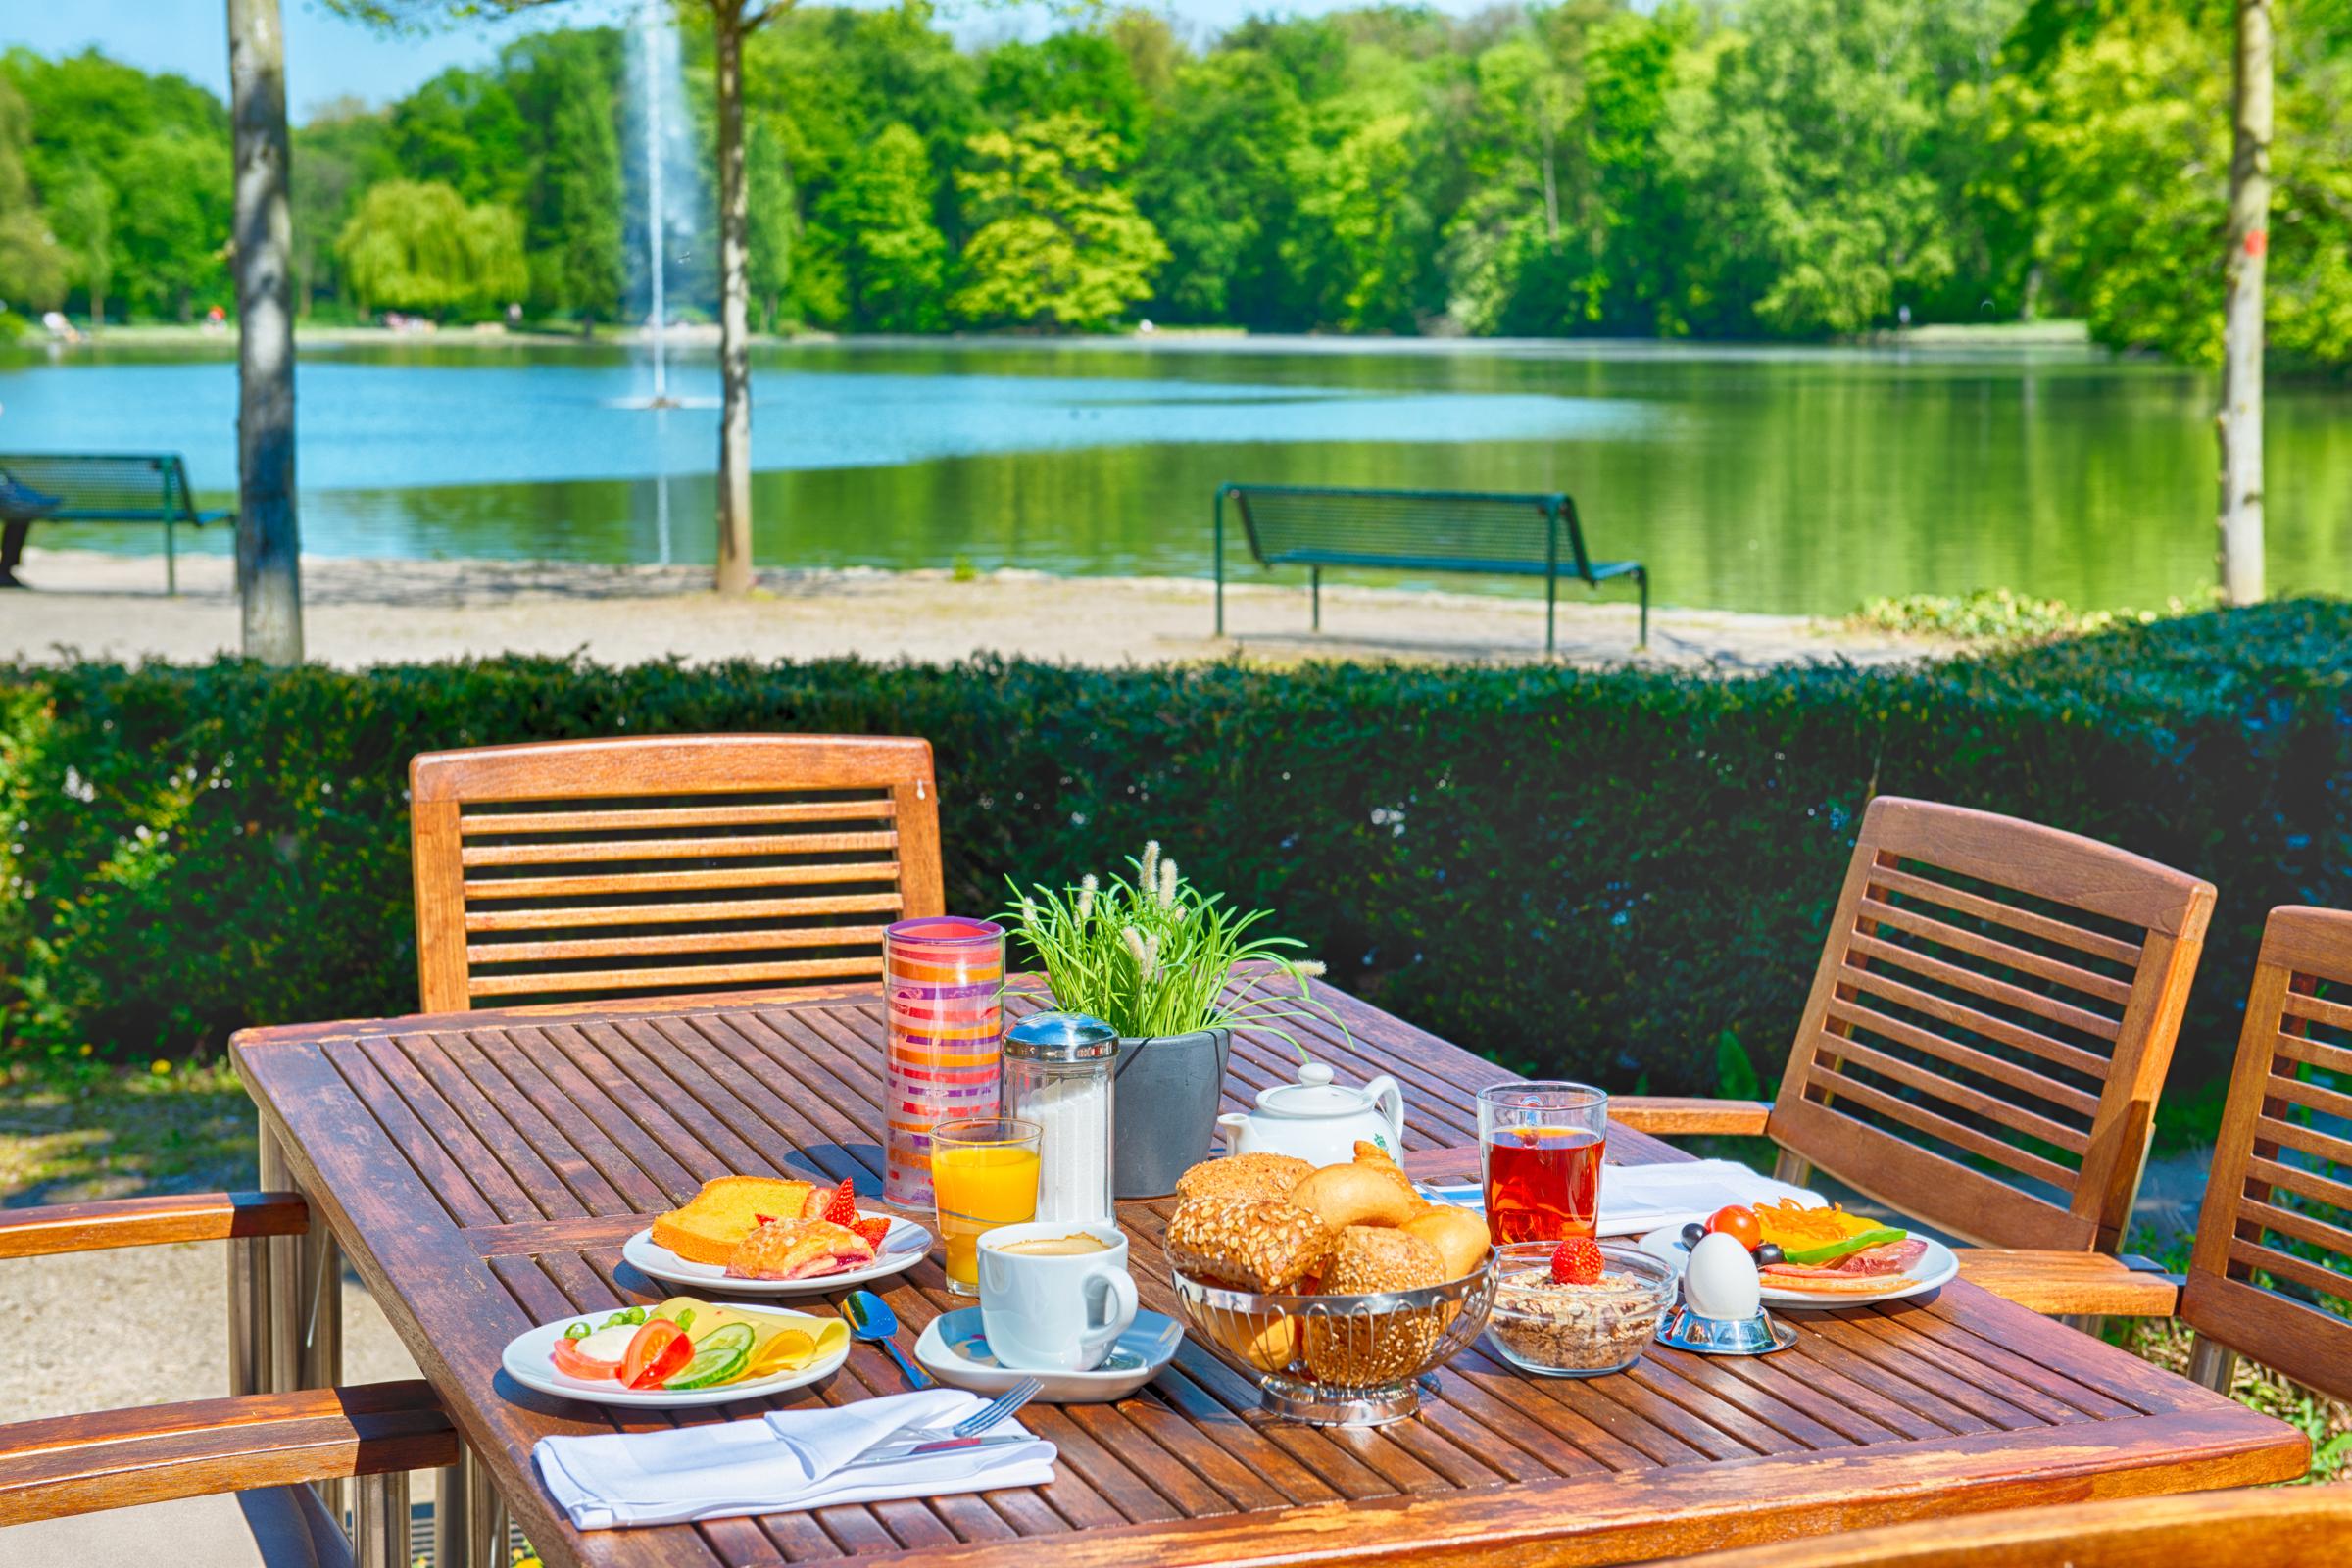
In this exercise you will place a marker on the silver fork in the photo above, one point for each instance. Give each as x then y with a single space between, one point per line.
963 1433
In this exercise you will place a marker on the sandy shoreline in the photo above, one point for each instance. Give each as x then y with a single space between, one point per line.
92 605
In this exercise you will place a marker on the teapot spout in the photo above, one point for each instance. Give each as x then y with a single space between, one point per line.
1230 1127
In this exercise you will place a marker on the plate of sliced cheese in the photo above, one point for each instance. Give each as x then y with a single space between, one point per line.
763 1236
687 1352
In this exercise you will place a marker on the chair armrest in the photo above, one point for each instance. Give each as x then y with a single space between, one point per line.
72 1464
2065 1283
149 1221
1668 1116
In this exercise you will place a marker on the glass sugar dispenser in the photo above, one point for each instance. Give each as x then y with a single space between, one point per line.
1056 1072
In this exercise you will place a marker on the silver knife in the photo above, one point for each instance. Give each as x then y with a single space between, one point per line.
924 1450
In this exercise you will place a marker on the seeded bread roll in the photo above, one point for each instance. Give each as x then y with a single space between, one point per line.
1244 1176
1259 1244
1355 1349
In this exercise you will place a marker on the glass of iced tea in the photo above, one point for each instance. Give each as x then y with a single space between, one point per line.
983 1175
1542 1144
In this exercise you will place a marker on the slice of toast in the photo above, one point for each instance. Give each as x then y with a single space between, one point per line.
726 1210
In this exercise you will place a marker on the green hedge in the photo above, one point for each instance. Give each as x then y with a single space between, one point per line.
1588 873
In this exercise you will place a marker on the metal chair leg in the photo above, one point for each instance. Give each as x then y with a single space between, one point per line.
2212 1363
249 1314
1791 1169
2083 1322
379 1521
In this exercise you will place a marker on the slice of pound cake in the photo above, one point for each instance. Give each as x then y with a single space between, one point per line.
727 1209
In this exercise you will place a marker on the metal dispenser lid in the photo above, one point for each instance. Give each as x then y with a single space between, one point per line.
1062 1037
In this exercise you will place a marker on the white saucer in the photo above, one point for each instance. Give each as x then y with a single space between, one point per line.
1937 1268
953 1351
527 1361
907 1244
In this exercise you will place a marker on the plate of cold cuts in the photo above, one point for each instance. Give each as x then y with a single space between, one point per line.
1822 1259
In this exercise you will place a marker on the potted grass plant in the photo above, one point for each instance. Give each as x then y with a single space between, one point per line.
1154 957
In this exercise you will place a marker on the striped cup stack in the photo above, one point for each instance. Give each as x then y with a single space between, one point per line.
944 976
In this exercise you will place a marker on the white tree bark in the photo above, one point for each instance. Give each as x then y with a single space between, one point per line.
2240 420
268 532
734 310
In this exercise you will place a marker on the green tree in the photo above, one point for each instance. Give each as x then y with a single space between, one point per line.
776 220
463 129
1215 182
343 150
1360 241
892 253
32 264
1060 245
564 87
416 245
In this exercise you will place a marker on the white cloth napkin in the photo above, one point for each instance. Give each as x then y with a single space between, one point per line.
1639 1199
788 1459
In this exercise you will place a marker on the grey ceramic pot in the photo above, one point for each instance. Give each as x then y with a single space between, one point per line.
1167 1093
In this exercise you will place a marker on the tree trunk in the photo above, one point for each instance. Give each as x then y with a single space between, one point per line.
268 535
2240 420
734 311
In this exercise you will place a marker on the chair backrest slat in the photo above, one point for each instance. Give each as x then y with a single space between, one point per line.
1990 1022
579 869
2272 1273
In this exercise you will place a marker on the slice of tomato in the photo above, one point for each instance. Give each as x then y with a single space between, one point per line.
572 1364
660 1349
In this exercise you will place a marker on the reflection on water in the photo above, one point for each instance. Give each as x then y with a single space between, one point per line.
1788 480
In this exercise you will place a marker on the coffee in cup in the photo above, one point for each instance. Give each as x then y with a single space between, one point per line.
1053 1296
1073 1245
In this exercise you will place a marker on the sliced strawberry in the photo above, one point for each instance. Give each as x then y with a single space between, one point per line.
842 1208
873 1230
1577 1262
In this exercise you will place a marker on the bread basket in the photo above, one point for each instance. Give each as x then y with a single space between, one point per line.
1339 1361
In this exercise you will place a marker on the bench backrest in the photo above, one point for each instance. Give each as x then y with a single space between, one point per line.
125 486
1300 522
2273 1267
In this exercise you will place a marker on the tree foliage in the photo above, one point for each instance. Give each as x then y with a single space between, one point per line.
417 245
1700 167
1058 243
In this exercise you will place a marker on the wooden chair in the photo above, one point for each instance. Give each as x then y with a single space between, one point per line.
2268 1528
269 1445
2279 1202
577 870
1986 1033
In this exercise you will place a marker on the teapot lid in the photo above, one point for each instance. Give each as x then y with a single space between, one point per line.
1313 1094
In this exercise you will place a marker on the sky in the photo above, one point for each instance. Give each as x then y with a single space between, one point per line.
329 58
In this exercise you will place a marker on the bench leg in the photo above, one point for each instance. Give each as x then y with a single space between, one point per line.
1641 577
170 561
1316 579
1551 613
1218 535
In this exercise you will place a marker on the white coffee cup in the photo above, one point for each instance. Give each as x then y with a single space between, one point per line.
1053 1312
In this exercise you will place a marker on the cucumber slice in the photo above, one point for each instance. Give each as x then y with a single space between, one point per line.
721 1356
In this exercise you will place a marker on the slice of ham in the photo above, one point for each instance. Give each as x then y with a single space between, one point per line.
1896 1257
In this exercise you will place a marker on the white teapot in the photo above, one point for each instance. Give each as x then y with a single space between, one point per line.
1317 1120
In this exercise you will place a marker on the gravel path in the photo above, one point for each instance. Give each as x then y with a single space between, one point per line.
373 611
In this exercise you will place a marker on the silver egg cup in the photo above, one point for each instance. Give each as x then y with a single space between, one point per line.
1761 1334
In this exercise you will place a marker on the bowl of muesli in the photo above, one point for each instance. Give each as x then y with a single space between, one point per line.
1577 1309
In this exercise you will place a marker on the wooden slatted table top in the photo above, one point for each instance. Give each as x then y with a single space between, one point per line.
484 1169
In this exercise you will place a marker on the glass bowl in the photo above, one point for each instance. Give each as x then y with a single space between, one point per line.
1577 1331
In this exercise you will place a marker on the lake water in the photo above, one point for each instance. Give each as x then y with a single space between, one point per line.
1771 479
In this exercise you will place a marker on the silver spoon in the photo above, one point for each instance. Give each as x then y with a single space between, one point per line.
871 1318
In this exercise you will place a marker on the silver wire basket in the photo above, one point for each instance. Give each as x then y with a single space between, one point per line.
1339 1361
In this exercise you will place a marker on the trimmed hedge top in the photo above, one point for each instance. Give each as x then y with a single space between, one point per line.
1574 872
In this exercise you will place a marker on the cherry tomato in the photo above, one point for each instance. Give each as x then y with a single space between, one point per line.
1738 1222
660 1349
572 1364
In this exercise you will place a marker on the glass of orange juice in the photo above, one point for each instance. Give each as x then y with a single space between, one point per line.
983 1175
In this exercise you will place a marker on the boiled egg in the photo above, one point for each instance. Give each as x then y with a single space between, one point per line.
1719 1280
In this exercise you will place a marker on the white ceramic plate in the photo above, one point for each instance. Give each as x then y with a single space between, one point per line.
953 1351
1937 1268
905 1245
527 1361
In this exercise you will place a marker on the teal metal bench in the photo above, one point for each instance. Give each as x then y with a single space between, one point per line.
1419 530
102 487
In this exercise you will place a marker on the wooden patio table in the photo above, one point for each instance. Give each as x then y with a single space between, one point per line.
482 1170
